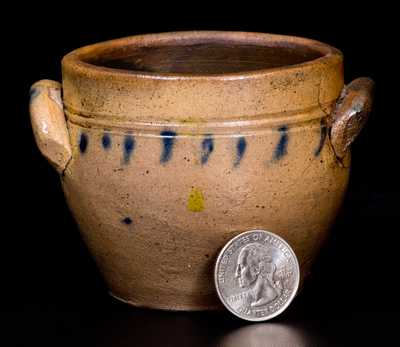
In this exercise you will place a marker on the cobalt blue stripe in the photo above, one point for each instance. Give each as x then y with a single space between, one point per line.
129 146
168 139
207 146
83 142
323 134
281 148
240 150
106 141
33 93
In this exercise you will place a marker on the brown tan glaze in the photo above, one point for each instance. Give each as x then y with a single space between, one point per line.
351 113
174 151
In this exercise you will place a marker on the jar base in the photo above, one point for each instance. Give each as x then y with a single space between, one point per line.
167 307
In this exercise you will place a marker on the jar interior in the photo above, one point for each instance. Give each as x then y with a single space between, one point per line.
199 58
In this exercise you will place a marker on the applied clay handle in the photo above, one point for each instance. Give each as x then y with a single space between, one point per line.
350 114
49 124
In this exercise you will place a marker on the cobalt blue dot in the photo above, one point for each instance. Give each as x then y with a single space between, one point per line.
127 221
281 148
83 142
168 139
323 134
240 150
106 141
207 147
129 146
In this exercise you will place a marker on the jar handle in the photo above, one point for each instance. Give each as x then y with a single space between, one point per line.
49 124
351 113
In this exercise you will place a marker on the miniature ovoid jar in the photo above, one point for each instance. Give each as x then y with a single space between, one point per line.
170 144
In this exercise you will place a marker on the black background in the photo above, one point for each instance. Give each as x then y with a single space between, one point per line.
53 293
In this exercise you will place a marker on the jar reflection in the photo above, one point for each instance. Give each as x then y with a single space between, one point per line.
267 335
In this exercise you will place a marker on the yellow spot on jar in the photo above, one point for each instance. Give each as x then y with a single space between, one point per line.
196 200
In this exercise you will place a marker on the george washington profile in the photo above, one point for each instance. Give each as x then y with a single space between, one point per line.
255 272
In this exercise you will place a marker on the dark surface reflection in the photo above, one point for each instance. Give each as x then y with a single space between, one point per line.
154 328
120 325
125 326
141 327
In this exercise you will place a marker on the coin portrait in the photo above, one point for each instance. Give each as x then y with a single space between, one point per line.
256 275
255 271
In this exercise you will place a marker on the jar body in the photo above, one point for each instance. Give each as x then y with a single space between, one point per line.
156 207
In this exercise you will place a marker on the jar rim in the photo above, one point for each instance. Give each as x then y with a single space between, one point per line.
82 58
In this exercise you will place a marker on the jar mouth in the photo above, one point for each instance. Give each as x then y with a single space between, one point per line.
198 54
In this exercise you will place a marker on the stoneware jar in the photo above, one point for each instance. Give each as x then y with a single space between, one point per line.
170 144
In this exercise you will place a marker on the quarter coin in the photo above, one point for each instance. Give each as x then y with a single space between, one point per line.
257 275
